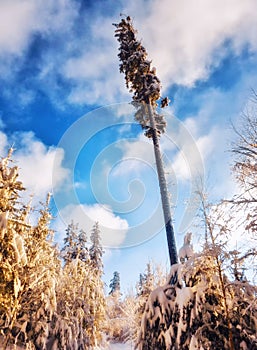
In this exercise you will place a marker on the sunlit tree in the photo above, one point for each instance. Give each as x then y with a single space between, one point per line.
142 81
115 283
245 165
96 249
212 305
29 266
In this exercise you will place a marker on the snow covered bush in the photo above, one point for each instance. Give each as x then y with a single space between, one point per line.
202 310
44 306
78 322
29 266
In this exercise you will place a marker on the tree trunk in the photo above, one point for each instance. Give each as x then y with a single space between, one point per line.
163 190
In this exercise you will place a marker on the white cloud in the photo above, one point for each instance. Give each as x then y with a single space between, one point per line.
186 162
19 20
3 144
185 39
113 228
136 154
35 161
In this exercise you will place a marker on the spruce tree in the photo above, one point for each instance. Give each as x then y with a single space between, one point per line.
78 322
13 258
70 247
115 284
96 249
206 308
29 266
41 278
141 79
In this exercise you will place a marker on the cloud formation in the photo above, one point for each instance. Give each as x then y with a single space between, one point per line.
35 161
113 228
31 17
186 40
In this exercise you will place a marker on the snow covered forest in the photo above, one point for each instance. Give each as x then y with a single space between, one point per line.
54 297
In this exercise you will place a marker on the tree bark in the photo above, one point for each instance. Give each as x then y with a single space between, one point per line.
163 190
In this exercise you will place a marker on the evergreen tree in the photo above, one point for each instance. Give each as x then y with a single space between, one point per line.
115 317
78 322
96 249
142 80
13 257
204 309
29 267
75 244
83 246
70 249
73 325
115 284
41 278
146 281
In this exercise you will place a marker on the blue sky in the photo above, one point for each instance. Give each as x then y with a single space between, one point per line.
64 105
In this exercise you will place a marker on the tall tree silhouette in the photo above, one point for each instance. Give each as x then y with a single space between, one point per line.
141 79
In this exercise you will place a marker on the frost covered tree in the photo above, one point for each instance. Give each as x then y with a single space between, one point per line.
245 165
80 312
207 308
44 306
115 284
115 317
38 297
124 314
133 304
70 247
75 244
29 266
13 258
141 79
78 322
96 249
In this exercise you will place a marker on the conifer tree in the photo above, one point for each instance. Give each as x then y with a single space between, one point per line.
70 247
115 284
29 267
75 244
96 249
78 322
13 258
73 323
205 309
115 317
141 79
83 246
39 292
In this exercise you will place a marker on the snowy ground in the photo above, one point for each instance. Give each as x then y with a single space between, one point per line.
119 346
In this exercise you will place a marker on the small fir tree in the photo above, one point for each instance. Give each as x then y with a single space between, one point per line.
96 249
115 284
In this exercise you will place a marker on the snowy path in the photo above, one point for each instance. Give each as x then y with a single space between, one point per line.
120 346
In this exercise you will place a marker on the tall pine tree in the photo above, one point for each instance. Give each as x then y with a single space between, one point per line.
141 79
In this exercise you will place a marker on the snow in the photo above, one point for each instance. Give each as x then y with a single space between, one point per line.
186 251
121 346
